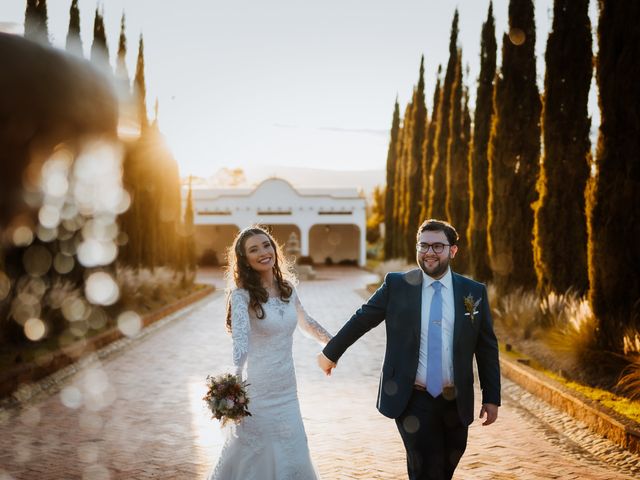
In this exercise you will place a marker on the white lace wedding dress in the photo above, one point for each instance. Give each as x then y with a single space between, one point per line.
271 444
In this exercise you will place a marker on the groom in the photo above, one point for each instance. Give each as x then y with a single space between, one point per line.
436 322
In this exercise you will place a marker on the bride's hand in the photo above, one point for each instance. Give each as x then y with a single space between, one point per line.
325 364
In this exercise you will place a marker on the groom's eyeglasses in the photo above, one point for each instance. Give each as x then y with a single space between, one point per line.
436 247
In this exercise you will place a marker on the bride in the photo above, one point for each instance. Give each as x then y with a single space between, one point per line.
263 310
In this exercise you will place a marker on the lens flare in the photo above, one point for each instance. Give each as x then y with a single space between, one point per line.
22 236
37 260
47 234
96 472
63 263
101 289
49 216
75 309
30 417
71 397
129 323
517 36
34 329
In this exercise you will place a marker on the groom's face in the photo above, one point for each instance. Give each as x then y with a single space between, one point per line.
432 262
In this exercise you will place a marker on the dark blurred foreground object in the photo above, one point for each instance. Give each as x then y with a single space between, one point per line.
47 97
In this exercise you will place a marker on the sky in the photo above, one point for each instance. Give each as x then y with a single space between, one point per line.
248 83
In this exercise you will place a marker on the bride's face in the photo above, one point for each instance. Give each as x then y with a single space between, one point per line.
260 253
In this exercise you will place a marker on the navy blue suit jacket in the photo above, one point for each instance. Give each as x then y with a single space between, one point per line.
398 302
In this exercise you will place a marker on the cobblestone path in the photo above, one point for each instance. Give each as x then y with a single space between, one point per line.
136 413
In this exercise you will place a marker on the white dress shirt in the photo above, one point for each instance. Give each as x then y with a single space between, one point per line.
448 316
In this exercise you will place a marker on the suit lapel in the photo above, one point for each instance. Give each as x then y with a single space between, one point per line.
414 284
458 305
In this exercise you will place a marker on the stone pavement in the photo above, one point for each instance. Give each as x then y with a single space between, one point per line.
137 413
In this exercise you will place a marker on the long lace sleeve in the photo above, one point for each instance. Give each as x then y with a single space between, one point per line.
308 325
240 327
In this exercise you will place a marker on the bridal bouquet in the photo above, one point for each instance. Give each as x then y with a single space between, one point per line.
227 398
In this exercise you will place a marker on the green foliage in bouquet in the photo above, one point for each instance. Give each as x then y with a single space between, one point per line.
227 398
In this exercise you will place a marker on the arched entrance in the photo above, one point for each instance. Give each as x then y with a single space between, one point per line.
212 242
281 232
332 244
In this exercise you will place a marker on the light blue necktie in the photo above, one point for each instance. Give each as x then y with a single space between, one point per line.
434 342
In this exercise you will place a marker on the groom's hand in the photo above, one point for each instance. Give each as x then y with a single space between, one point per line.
491 411
325 364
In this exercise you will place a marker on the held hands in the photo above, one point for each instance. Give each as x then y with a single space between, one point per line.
491 412
325 364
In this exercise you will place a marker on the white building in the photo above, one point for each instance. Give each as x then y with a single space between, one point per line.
329 222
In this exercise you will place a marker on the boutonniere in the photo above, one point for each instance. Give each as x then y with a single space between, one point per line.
470 305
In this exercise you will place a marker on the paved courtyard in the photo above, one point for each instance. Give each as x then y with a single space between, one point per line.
137 413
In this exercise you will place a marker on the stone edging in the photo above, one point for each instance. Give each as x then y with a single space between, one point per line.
30 372
600 419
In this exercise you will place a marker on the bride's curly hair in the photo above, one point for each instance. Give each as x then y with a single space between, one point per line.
239 273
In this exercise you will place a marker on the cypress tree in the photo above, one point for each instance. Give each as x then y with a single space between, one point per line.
397 198
463 262
614 193
438 184
428 151
514 150
122 74
99 47
401 183
414 162
164 171
35 21
560 224
457 177
390 191
189 241
130 253
140 89
405 161
478 162
31 20
74 42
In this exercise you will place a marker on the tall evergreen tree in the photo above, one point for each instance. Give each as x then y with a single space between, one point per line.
31 20
35 21
122 74
514 151
140 88
401 182
614 193
457 177
74 42
405 161
560 223
438 184
189 241
414 162
428 151
397 203
478 162
390 191
99 47
463 263
130 221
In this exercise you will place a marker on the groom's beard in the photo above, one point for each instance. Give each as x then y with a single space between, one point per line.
437 269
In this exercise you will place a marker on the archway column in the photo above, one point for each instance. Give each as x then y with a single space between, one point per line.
304 239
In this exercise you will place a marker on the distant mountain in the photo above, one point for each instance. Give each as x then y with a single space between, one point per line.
300 177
